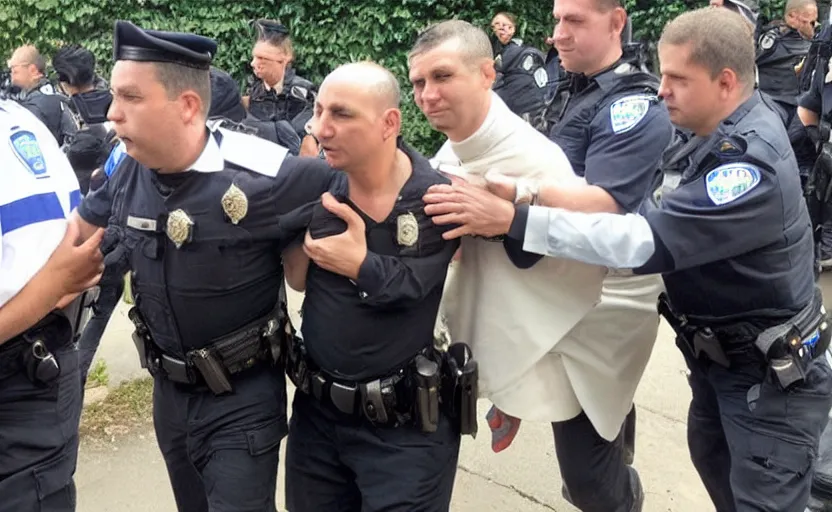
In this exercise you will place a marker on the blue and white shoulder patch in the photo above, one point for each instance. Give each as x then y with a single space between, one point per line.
729 182
252 153
26 147
628 112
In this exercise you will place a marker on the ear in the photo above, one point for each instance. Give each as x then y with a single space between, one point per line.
489 74
728 82
619 19
191 107
392 123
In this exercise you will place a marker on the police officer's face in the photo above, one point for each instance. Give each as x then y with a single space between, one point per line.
269 62
350 124
694 98
586 36
804 20
503 28
23 74
450 90
145 118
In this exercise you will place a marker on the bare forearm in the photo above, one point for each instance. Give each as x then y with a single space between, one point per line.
585 198
807 117
33 302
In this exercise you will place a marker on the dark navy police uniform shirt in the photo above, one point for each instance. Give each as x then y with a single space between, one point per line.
366 329
615 141
225 274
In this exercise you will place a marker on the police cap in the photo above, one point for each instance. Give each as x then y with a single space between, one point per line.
133 43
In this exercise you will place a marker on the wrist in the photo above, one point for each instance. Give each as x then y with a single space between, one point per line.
526 191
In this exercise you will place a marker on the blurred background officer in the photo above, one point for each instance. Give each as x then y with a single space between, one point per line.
731 235
90 98
206 316
372 295
781 48
40 393
28 71
522 79
278 94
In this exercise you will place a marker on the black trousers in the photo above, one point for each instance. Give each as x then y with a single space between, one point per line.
340 463
595 472
754 445
39 439
222 452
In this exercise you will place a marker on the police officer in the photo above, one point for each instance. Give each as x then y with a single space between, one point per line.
28 70
613 128
40 395
368 432
781 49
732 238
89 99
522 79
194 212
277 93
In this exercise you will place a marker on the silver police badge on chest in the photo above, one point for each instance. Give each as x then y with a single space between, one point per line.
407 232
235 204
179 227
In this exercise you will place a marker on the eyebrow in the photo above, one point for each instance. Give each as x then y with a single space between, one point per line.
127 89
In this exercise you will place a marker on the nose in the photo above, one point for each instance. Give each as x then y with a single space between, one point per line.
560 34
115 113
322 127
664 89
429 92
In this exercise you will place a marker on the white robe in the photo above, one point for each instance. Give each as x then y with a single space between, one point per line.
545 351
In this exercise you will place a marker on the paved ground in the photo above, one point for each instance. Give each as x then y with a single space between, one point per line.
130 475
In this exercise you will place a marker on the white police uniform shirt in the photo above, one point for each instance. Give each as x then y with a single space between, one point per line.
38 190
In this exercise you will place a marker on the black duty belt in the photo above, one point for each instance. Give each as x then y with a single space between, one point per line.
33 350
258 342
787 347
411 394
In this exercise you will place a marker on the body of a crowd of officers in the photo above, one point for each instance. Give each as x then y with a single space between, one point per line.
577 199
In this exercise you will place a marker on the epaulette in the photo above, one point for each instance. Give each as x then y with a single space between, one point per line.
252 153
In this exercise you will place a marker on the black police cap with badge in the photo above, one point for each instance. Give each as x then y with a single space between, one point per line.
133 43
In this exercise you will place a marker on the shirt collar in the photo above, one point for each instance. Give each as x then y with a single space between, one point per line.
211 159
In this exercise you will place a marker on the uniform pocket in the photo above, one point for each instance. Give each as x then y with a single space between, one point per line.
55 487
266 438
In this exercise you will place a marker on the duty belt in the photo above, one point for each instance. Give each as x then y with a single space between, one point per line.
33 350
412 394
213 365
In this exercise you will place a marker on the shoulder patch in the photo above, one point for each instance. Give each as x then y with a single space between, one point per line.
767 40
729 182
528 62
252 153
628 112
26 147
541 77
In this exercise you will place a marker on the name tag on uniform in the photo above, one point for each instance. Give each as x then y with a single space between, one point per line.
141 224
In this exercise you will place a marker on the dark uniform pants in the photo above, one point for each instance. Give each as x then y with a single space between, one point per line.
39 439
222 451
336 463
595 472
753 444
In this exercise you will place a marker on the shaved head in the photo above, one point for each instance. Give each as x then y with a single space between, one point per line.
376 79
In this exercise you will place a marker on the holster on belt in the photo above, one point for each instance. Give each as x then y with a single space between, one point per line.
790 347
697 341
33 350
459 390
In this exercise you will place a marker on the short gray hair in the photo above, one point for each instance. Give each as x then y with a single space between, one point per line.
799 5
718 39
473 41
177 79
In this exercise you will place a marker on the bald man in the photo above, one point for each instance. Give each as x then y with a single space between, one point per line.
367 432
